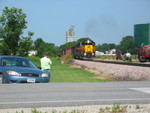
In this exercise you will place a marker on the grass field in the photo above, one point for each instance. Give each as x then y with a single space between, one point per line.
64 73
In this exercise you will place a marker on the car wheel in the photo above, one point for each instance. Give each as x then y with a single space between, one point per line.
1 78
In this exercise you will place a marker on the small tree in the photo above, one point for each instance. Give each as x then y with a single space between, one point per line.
25 44
38 42
126 45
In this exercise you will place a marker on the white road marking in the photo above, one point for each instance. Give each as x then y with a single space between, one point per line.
145 90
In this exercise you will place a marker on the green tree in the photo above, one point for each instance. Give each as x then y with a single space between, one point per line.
25 44
38 42
67 45
82 39
106 47
4 48
12 24
47 47
126 45
71 44
112 46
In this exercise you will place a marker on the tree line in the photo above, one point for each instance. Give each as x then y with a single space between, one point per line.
12 40
125 45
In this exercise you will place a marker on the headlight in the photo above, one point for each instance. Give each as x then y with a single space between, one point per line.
13 73
44 75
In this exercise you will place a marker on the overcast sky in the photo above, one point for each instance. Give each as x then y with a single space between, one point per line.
104 21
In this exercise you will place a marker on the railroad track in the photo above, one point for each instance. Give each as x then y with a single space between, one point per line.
121 63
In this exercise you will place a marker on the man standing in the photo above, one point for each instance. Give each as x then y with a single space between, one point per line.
46 62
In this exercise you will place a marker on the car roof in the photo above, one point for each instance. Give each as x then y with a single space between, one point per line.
11 56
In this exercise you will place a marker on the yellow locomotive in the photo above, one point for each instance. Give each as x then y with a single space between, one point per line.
84 49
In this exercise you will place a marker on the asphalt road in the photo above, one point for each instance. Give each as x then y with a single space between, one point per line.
73 94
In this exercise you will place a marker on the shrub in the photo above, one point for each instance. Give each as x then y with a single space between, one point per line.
66 58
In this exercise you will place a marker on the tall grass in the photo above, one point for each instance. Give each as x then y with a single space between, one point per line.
112 57
103 57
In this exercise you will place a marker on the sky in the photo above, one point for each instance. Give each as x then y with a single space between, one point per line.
104 21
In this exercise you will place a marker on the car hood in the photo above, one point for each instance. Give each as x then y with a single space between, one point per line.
23 70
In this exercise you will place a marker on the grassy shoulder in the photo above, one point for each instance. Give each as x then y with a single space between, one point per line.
64 73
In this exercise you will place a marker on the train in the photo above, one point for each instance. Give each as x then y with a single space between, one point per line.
83 49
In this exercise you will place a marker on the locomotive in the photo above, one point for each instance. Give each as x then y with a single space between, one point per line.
84 49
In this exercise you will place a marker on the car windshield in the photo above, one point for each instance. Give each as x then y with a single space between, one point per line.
17 62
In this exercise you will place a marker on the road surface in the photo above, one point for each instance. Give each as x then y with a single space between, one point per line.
73 94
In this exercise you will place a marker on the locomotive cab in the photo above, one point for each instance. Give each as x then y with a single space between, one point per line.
88 49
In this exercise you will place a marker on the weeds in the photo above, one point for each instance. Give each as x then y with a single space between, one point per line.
137 106
35 111
20 112
116 108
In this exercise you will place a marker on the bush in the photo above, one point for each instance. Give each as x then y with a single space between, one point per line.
66 59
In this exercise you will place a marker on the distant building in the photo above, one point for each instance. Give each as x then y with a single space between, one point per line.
70 35
141 34
110 52
32 52
99 53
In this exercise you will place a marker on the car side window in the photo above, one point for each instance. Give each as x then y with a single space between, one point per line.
3 63
19 62
25 64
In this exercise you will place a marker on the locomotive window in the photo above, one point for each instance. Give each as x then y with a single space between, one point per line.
89 44
85 43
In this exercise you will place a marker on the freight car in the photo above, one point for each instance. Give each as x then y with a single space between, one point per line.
84 49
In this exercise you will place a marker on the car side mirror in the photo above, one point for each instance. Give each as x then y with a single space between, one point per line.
39 67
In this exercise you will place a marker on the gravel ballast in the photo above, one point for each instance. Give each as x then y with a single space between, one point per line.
120 72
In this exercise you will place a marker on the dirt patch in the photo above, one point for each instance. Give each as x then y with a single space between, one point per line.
99 75
74 66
